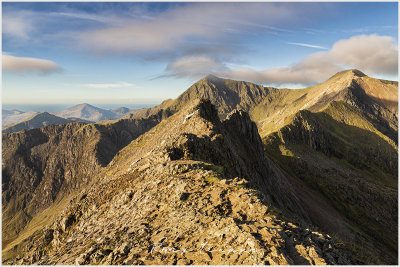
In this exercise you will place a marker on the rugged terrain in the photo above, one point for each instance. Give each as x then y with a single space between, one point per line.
44 166
185 184
312 180
344 148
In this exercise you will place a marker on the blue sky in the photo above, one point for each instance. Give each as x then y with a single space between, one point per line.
143 53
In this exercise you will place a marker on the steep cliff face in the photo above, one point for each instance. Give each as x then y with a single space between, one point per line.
185 192
43 165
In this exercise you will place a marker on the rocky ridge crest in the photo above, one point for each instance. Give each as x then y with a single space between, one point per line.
193 191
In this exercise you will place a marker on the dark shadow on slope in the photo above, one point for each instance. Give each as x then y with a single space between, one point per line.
51 162
378 114
353 169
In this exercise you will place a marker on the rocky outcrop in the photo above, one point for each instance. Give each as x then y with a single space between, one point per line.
186 192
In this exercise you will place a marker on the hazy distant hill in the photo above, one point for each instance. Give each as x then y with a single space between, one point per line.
38 121
123 111
81 112
87 112
14 116
91 113
5 112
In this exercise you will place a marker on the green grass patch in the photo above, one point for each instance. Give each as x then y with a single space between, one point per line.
211 179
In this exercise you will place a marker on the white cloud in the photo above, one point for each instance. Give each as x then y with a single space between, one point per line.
26 64
17 25
307 45
373 54
370 53
194 66
109 85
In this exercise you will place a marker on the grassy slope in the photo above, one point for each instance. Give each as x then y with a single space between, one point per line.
358 177
37 223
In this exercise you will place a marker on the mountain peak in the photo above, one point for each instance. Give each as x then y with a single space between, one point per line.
211 77
357 73
83 105
352 73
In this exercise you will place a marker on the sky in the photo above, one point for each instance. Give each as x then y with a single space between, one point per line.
146 52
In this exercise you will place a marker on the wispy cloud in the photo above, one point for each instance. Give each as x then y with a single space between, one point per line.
372 54
17 25
369 29
26 64
176 29
109 85
152 33
307 45
194 66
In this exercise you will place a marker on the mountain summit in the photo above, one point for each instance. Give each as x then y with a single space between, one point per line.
349 73
226 94
377 97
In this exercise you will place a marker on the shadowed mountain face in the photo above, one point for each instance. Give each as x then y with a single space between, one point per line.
322 158
43 166
339 139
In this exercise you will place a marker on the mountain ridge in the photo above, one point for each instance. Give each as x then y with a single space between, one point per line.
39 120
314 156
200 156
75 113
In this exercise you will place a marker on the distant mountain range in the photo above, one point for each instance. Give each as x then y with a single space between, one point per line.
305 176
15 120
38 121
14 116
